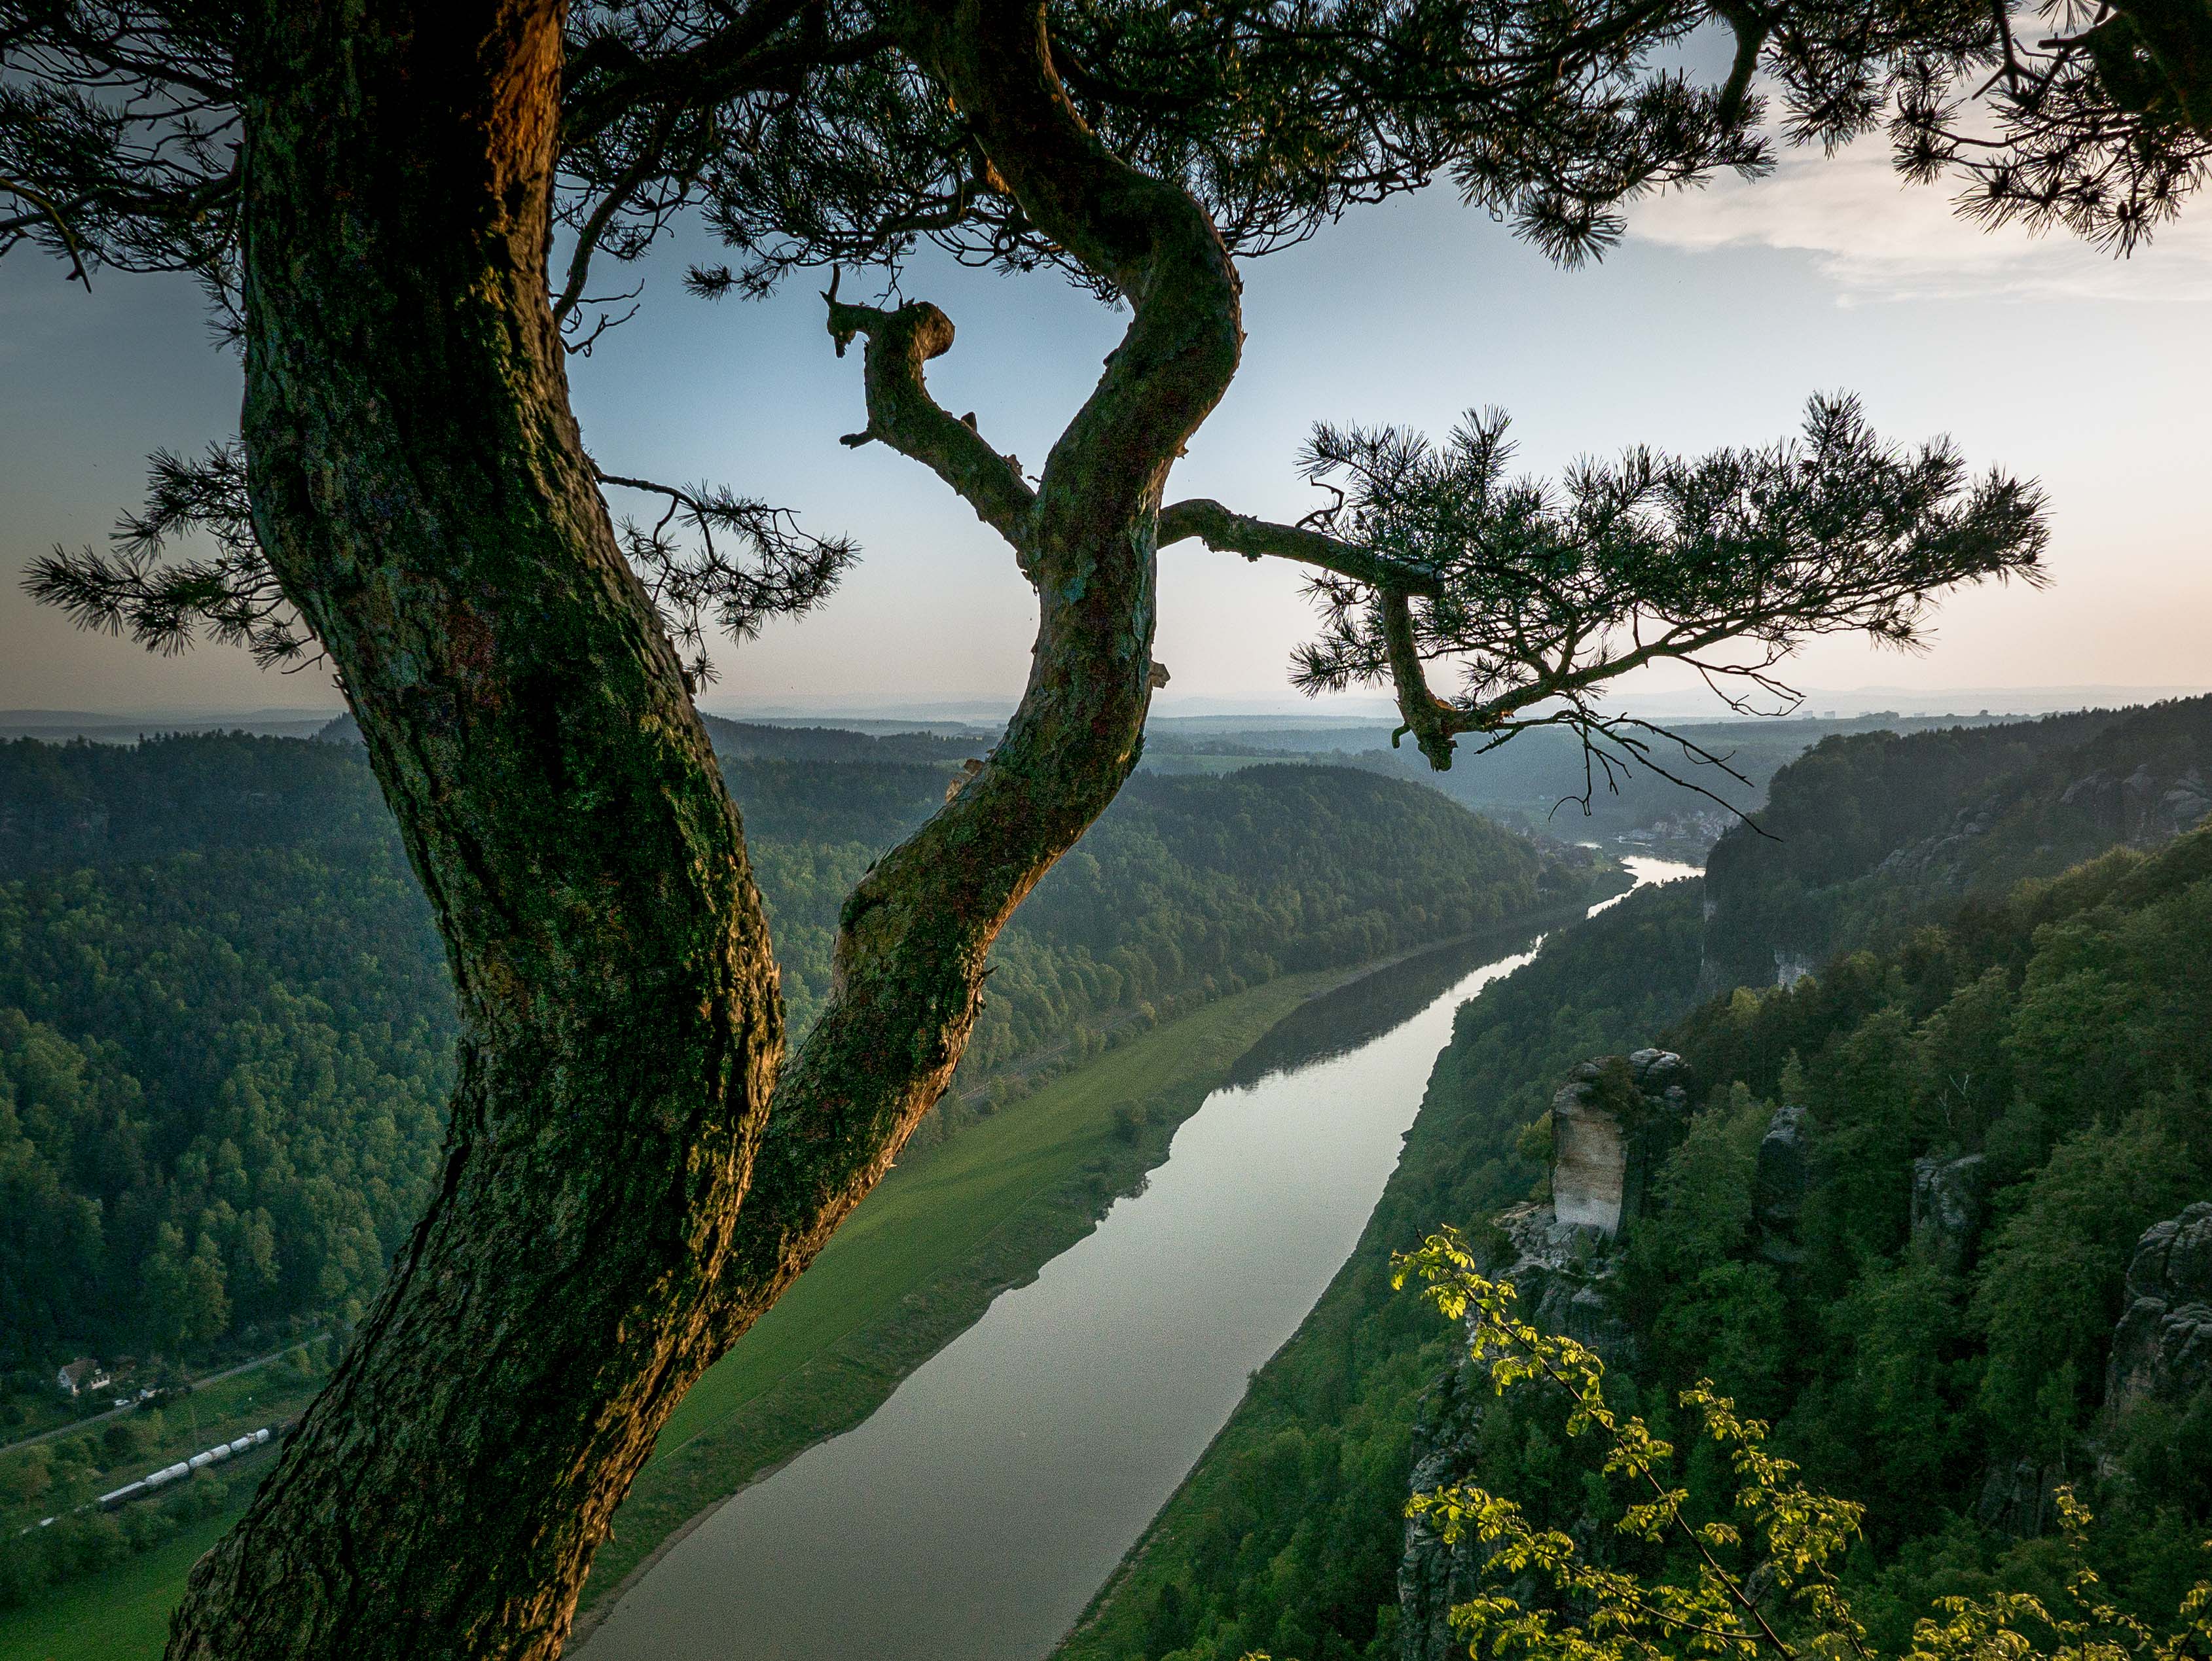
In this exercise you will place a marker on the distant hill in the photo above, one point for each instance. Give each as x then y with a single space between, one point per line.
225 1029
1535 782
60 726
89 804
777 742
1872 831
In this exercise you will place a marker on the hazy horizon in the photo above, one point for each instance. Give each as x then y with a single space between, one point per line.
1722 311
1349 709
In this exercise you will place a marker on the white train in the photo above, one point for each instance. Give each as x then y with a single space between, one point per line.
200 1461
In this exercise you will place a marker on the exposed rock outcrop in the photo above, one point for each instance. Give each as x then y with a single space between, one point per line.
1780 1180
2144 809
1433 1577
1559 1271
1936 861
1612 1122
2148 806
1950 1198
2162 1348
2021 1499
2161 1352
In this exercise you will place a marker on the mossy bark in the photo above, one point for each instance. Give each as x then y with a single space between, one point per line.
632 1173
420 485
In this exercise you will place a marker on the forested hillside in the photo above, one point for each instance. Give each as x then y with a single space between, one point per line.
2037 1046
1905 1225
1537 781
1868 834
221 1077
225 1024
67 806
1192 886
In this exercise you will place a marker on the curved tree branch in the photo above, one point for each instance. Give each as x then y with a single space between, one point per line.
1237 533
608 78
594 228
1541 595
913 937
1432 721
44 209
903 415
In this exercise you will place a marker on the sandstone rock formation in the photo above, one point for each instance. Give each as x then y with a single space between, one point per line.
1559 1271
2144 809
1612 1123
1935 861
2148 806
2162 1348
2021 1499
2161 1352
1949 1199
1780 1183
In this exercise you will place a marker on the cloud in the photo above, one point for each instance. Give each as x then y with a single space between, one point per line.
1878 238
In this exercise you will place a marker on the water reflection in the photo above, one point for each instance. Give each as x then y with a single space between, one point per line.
1363 1011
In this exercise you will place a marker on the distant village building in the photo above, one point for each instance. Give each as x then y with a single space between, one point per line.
83 1375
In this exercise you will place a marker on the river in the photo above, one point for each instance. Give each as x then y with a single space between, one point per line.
973 1515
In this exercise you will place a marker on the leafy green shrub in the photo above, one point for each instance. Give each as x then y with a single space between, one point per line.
1764 1581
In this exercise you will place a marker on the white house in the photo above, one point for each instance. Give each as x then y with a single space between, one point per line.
83 1375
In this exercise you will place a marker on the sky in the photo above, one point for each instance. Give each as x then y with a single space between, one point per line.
1724 309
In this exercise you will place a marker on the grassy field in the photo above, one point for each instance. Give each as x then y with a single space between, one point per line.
124 1613
917 1263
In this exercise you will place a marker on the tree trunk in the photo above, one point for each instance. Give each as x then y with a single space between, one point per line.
912 938
618 1202
419 484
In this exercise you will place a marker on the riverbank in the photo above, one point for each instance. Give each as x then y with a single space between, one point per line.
924 1258
920 1262
999 1484
1337 1401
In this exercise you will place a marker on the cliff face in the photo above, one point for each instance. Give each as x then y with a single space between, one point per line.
2161 1353
2156 802
2162 1348
1614 1122
1950 1199
1561 1271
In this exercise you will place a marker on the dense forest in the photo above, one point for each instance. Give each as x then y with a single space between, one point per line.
1868 834
1967 1131
225 1026
1992 1116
